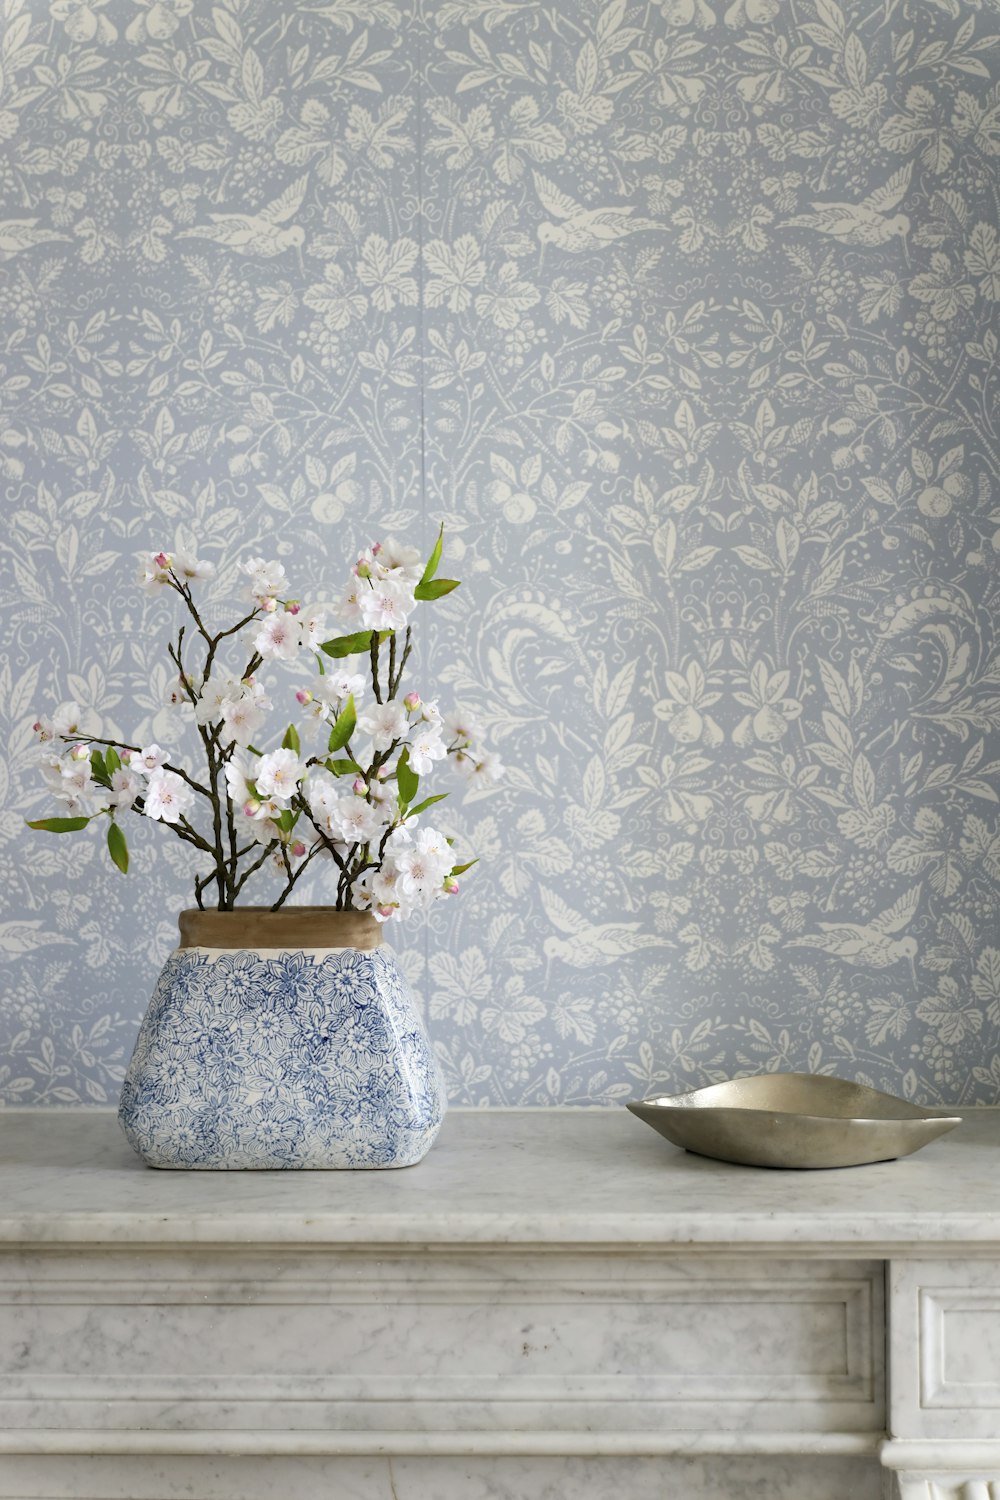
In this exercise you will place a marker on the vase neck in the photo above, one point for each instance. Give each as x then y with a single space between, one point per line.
292 927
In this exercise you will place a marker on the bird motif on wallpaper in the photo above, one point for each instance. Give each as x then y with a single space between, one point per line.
260 233
588 943
17 235
864 223
582 228
869 945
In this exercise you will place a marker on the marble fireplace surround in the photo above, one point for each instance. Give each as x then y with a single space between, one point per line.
555 1303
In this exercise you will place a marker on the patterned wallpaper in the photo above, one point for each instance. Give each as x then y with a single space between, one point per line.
683 317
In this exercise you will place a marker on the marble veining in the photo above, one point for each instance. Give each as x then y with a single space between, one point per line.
556 1478
501 1176
554 1303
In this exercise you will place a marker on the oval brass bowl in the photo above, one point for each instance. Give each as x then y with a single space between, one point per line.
799 1120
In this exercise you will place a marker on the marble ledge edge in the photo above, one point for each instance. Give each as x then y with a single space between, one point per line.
918 1235
343 1444
940 1455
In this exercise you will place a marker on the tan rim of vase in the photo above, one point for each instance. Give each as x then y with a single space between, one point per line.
291 927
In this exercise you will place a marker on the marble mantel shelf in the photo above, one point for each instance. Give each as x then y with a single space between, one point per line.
510 1177
555 1302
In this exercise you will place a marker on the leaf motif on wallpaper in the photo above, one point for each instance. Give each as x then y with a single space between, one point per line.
696 363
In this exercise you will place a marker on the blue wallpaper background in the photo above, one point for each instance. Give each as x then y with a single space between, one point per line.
683 318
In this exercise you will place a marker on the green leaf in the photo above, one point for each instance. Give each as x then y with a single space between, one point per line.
348 645
99 769
344 726
59 825
112 760
343 767
434 559
461 869
291 739
407 780
435 588
117 847
427 802
287 820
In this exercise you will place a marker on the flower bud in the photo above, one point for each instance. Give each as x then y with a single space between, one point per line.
385 911
251 808
293 606
376 548
269 606
298 849
383 772
304 696
358 787
80 752
162 560
362 570
411 701
451 886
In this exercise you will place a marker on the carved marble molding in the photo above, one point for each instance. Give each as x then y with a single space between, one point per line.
946 1487
951 1469
462 1350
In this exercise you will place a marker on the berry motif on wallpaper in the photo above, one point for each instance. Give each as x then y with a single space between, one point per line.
684 317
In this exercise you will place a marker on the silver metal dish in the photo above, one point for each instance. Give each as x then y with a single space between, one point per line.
799 1120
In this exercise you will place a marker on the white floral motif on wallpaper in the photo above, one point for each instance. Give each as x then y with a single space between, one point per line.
684 319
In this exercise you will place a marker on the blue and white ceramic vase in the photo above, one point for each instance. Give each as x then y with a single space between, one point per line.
281 1039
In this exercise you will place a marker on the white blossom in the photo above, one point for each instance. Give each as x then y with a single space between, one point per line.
423 861
194 569
154 571
221 688
426 747
322 795
240 769
167 797
241 720
485 766
65 723
70 780
353 820
385 722
333 689
461 727
279 774
150 758
412 875
349 608
379 891
430 713
267 580
385 605
314 628
125 787
394 557
279 638
259 829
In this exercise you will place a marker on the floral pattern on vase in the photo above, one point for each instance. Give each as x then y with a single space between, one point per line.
272 1059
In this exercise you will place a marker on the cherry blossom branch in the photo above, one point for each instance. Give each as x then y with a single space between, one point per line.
93 739
295 876
252 869
394 681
